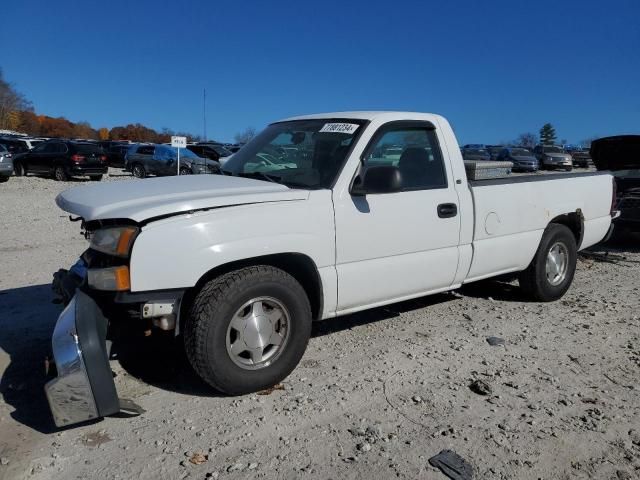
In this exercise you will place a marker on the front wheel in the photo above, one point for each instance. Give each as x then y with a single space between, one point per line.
185 171
95 178
4 179
248 329
551 271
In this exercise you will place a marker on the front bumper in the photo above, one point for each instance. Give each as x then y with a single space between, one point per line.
84 388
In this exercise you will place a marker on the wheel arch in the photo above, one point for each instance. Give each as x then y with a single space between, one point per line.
298 265
574 221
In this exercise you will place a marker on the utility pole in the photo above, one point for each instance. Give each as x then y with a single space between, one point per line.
204 114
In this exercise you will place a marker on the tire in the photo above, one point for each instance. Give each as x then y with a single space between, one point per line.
4 179
535 280
60 174
19 170
138 171
568 169
208 329
185 171
95 178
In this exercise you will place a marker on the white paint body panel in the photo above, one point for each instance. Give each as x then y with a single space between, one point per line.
140 200
510 218
368 251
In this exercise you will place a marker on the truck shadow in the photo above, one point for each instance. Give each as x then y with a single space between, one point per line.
161 361
27 318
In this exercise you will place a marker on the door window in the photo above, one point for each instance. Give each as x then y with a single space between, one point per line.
51 148
40 148
416 153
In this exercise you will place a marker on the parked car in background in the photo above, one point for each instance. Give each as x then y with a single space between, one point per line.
63 159
553 157
581 158
494 150
6 164
223 153
621 155
475 153
205 151
523 160
160 160
116 154
233 148
17 145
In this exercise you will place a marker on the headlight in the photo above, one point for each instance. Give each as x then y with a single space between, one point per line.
114 279
114 240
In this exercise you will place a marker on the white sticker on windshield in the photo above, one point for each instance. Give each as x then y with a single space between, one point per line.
339 128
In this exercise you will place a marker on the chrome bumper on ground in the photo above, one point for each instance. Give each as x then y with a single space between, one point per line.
84 388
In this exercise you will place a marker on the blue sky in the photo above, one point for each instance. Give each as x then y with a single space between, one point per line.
494 68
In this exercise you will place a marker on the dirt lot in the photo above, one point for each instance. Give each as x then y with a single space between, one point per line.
375 396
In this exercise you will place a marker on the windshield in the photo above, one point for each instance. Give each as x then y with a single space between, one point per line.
520 152
552 150
301 153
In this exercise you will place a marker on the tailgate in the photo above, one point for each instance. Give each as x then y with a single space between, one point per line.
93 155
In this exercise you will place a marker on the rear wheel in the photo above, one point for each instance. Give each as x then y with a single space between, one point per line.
551 271
60 174
4 179
138 170
248 329
185 171
19 170
95 178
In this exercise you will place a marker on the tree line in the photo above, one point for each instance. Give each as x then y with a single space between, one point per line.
17 114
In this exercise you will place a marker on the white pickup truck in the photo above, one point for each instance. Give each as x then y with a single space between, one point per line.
316 217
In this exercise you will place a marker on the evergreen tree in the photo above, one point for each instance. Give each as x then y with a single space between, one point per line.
548 134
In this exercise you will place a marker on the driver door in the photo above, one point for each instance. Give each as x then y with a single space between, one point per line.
400 245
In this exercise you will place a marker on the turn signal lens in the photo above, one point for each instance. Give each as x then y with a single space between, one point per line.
114 240
114 279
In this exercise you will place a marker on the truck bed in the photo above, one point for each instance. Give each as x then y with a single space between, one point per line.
511 215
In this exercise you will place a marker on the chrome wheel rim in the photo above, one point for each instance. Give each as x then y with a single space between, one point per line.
557 264
258 333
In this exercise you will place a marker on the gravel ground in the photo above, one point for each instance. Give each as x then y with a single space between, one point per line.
376 394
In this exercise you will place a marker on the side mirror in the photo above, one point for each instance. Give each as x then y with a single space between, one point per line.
377 180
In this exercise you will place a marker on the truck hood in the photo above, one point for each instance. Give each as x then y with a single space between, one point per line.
616 153
141 200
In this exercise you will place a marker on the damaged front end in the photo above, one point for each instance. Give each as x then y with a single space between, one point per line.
84 388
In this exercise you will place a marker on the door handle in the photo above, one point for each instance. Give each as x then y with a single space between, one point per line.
447 210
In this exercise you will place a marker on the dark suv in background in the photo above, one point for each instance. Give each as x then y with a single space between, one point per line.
63 159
